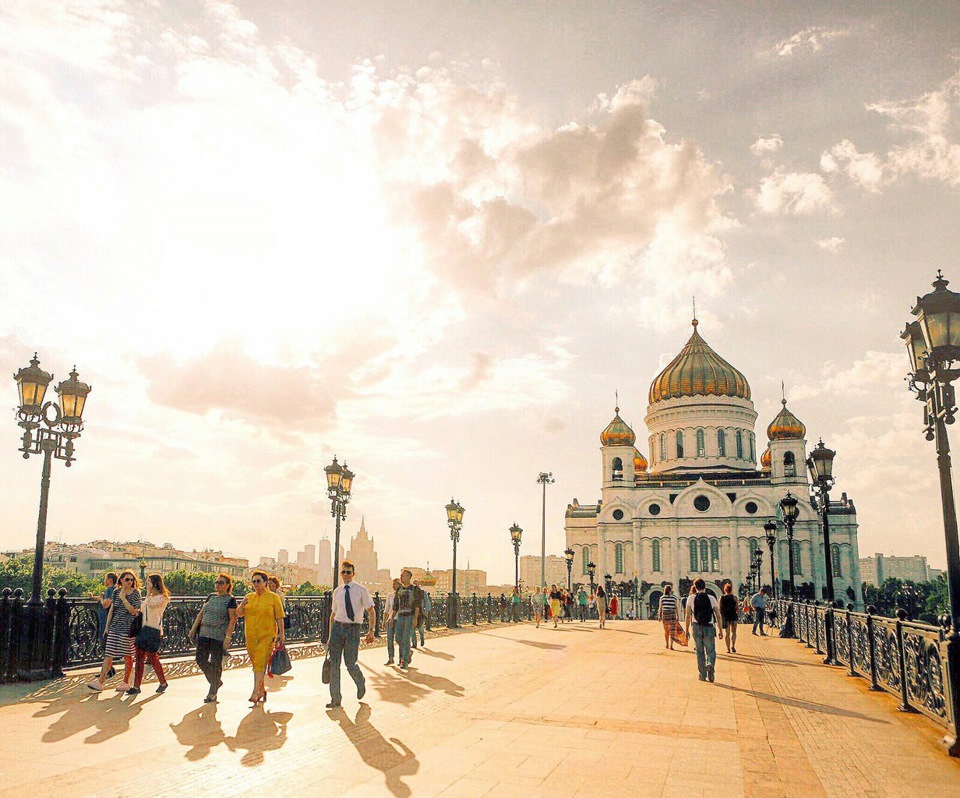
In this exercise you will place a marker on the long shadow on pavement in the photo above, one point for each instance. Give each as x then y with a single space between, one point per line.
433 682
796 702
394 759
437 654
260 731
110 717
200 731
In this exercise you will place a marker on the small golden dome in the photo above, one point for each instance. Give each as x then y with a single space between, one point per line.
765 460
428 580
698 371
617 433
786 426
639 463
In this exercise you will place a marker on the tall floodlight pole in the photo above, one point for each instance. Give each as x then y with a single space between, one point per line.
545 478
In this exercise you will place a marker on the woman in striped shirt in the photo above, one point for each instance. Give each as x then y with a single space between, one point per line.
668 615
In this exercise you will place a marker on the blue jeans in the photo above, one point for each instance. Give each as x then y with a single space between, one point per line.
758 614
418 628
391 636
705 640
403 629
345 640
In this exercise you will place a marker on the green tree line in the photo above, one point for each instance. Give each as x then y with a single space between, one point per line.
922 601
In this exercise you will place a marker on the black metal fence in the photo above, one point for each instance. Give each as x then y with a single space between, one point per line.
901 657
69 635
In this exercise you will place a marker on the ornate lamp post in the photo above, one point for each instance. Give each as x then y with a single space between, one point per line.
455 522
143 573
545 478
770 529
49 428
789 508
515 534
592 570
933 345
757 565
568 555
820 465
339 484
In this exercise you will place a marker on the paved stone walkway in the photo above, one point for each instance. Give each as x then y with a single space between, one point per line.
507 711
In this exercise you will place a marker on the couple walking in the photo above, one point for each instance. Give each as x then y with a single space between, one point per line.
405 616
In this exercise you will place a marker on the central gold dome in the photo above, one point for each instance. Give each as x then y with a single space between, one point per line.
698 371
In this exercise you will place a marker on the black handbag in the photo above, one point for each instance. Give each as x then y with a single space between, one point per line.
325 671
280 662
149 639
136 625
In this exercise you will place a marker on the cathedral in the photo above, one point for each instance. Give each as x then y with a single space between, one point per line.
697 506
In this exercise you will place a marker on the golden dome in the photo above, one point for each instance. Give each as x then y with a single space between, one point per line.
698 371
617 433
428 580
639 462
786 426
765 460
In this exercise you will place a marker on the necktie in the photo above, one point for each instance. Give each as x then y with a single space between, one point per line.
346 600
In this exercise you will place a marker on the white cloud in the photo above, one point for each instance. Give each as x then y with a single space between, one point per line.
765 146
809 39
793 193
832 244
864 169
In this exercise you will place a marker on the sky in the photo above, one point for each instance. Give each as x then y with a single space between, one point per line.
437 240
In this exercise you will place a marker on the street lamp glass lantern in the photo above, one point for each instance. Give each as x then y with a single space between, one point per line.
32 383
73 397
770 528
790 507
568 553
333 471
820 463
454 513
346 480
916 348
591 569
939 316
516 533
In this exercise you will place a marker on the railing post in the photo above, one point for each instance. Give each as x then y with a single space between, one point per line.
474 609
326 607
830 631
853 654
489 608
904 695
874 684
49 631
6 638
61 641
16 634
816 626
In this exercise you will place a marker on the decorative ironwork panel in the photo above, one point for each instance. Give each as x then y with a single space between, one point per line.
841 639
887 654
860 634
924 675
820 626
83 625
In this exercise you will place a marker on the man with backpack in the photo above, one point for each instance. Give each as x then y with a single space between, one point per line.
406 616
425 606
703 611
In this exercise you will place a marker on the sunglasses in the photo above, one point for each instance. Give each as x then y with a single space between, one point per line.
345 573
257 581
128 579
220 581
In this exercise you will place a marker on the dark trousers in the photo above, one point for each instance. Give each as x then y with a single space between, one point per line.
758 620
345 641
418 628
210 661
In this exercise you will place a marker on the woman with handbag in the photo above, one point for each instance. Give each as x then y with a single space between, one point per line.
211 632
151 633
262 612
120 632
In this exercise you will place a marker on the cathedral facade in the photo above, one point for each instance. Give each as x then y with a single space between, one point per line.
697 506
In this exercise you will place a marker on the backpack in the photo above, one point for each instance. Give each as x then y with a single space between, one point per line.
702 609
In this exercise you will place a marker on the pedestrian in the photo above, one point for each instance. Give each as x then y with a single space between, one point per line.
103 609
388 618
153 606
582 599
668 615
515 605
124 607
262 613
537 600
555 604
602 606
350 601
407 616
426 605
728 617
211 632
614 606
702 611
759 604
592 607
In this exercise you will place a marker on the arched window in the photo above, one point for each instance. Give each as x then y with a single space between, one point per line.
652 449
797 561
679 443
753 451
754 545
663 446
656 555
694 557
789 465
739 445
704 556
617 468
618 558
714 555
586 559
722 443
835 558
701 444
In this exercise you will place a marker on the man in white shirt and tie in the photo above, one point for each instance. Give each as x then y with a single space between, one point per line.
350 601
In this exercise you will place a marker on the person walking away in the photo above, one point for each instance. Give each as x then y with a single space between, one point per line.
407 616
614 606
515 605
668 614
602 606
728 617
388 622
124 608
582 603
702 611
537 601
759 604
350 601
554 604
262 612
425 607
212 630
153 606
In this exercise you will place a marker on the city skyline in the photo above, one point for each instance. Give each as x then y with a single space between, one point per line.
445 243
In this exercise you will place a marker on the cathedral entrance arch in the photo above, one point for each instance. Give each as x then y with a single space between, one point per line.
653 604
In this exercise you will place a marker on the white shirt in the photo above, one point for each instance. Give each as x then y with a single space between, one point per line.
388 615
360 598
152 609
714 605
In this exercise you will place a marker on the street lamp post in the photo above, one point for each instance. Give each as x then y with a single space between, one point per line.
790 509
49 429
545 478
820 464
592 570
339 485
770 529
933 345
516 533
568 555
143 574
455 522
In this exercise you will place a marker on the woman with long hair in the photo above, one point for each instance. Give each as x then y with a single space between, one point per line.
537 605
262 612
728 616
554 604
668 615
158 597
124 608
602 606
214 625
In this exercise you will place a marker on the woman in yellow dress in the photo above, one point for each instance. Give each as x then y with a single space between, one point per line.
262 613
